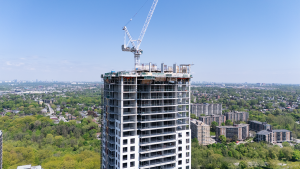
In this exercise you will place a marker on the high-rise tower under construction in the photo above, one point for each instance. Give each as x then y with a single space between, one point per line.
146 118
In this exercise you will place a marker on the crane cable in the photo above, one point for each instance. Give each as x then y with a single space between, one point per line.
136 13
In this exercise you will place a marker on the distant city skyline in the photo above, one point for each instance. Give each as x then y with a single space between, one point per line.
227 41
192 82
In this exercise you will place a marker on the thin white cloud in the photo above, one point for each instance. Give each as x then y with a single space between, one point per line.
8 63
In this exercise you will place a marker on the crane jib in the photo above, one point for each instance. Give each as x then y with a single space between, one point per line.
136 46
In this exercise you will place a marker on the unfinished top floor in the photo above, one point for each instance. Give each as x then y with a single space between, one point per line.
151 71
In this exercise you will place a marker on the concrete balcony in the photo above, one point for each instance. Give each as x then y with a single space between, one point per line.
181 103
129 120
157 134
156 104
158 162
156 112
128 98
129 112
182 116
111 126
111 134
129 126
156 155
182 123
156 126
182 109
128 133
129 105
128 83
156 98
146 141
156 119
145 149
129 90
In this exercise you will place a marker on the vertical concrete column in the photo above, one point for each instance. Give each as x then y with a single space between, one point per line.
176 93
135 103
121 105
189 89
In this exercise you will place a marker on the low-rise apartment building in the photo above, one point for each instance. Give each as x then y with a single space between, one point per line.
274 136
237 116
258 126
209 119
206 109
241 131
264 135
201 131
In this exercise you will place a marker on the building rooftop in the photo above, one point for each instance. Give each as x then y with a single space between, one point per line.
256 121
235 112
264 132
281 130
149 70
29 167
204 103
213 115
198 122
238 125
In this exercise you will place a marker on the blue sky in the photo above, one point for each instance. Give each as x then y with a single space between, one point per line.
227 41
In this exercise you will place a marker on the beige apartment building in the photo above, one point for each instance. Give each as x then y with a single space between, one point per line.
209 119
237 116
274 136
201 131
241 131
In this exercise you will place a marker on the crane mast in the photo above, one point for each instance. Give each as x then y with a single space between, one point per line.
135 49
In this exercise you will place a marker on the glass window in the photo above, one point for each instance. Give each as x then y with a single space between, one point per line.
124 142
132 148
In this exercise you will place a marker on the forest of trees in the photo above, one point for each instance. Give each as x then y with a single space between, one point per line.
22 103
36 140
249 155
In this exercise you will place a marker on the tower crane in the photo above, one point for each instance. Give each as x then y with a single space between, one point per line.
135 49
